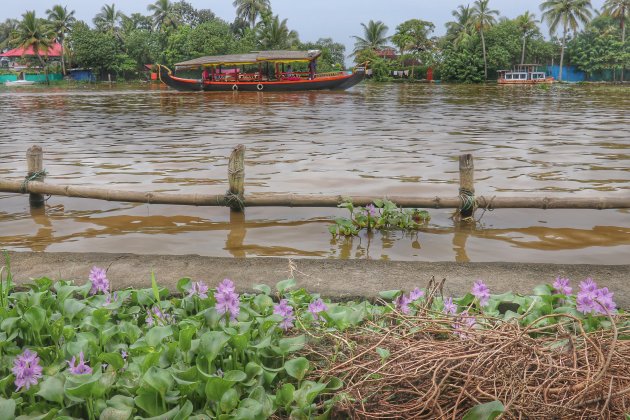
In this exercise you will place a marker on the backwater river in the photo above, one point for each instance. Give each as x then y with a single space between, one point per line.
375 139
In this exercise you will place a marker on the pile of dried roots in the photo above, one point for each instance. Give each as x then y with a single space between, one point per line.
416 367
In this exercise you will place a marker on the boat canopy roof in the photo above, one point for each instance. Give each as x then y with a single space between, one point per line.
252 58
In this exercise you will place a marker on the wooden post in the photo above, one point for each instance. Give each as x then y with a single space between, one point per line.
35 165
236 178
466 186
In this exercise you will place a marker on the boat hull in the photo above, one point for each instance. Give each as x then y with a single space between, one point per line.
548 80
19 83
338 82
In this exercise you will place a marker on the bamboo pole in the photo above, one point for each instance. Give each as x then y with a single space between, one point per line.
35 172
236 178
466 186
311 200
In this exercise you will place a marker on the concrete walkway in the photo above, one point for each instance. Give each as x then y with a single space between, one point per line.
340 279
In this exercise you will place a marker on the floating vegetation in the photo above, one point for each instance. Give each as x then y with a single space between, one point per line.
381 215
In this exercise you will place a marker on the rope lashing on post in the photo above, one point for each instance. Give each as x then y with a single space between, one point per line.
468 202
234 200
32 177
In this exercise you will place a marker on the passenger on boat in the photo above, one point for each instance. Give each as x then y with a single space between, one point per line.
206 74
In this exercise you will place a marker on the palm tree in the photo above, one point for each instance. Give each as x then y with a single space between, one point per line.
461 28
6 30
483 19
373 37
250 10
527 24
619 9
108 18
33 33
275 34
568 12
61 21
163 14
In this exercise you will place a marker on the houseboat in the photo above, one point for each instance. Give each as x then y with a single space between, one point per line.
259 72
523 74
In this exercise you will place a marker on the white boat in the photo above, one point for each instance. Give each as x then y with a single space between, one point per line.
523 74
19 83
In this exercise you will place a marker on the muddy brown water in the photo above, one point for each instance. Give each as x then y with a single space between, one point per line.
377 139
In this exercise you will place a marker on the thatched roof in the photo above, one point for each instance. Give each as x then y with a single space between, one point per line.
233 59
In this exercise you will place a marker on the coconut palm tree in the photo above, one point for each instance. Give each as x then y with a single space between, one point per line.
461 28
250 10
6 30
275 34
483 18
61 21
164 16
373 37
569 13
528 26
619 9
108 18
31 32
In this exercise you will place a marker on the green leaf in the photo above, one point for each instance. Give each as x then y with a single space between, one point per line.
389 294
35 316
216 387
158 379
211 344
148 401
235 376
291 344
263 288
487 411
543 290
155 288
229 400
253 369
81 387
284 396
283 285
297 368
156 334
51 389
307 393
7 409
334 384
183 285
384 353
185 337
113 359
249 409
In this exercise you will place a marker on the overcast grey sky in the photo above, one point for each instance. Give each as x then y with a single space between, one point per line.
313 19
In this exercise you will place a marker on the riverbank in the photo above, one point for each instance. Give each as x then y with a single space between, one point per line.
337 279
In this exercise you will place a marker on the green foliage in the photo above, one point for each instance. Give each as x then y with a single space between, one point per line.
462 65
386 215
333 54
94 49
209 38
488 411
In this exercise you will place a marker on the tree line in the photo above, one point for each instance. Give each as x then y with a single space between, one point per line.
477 43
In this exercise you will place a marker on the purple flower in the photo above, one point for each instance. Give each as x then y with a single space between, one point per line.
226 286
449 307
109 300
286 311
604 303
27 370
481 292
464 322
316 307
588 285
80 368
124 354
561 286
402 303
227 299
156 317
200 289
371 210
98 277
415 294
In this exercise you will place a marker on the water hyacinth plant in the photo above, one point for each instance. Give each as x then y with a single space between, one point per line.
381 215
68 352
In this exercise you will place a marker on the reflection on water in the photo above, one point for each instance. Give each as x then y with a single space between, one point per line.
374 139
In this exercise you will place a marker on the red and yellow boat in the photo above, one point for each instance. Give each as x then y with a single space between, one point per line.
260 71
